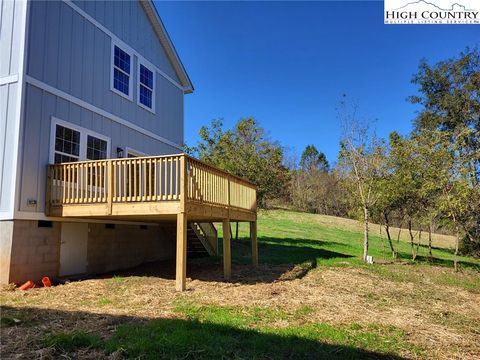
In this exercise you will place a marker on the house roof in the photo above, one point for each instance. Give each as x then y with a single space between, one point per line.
167 44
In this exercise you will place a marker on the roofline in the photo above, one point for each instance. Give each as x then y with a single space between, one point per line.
167 44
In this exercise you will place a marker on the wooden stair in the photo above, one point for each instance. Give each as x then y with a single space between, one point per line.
201 238
195 247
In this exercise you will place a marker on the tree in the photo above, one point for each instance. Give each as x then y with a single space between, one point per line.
450 100
313 159
246 151
362 159
313 188
386 205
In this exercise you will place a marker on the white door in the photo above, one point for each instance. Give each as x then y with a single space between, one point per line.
73 249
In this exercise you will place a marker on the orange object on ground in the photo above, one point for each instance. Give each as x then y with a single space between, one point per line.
28 285
46 282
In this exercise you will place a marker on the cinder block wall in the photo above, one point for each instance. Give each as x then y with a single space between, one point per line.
35 251
126 246
30 252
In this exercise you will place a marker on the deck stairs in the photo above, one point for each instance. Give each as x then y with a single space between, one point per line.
201 239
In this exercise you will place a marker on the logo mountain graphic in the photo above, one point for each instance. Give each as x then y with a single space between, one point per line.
429 4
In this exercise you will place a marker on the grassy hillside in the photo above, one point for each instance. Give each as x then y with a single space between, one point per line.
333 241
310 298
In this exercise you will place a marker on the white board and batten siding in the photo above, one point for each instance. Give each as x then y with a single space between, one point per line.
12 35
68 78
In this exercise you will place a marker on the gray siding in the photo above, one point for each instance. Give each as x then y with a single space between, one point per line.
11 14
41 106
129 22
68 52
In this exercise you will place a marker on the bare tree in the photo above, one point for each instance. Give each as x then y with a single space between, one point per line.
362 159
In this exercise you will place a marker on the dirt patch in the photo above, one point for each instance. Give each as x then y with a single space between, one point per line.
298 271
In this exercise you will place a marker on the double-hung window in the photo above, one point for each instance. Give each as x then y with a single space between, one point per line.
146 86
73 143
121 72
96 148
67 144
122 76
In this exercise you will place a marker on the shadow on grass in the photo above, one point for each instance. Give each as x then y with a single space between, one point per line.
295 250
422 259
77 334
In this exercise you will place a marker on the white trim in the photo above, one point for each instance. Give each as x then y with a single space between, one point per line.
41 85
84 133
166 42
145 63
8 79
116 39
18 140
113 67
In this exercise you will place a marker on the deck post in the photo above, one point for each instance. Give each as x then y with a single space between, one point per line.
253 237
227 255
181 263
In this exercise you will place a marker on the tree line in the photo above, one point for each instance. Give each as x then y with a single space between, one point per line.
426 181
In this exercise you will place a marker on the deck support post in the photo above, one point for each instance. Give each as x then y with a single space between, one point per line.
181 263
253 237
227 255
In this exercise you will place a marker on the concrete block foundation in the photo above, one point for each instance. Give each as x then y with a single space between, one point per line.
30 250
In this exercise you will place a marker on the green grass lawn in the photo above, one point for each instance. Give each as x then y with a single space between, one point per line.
142 317
290 237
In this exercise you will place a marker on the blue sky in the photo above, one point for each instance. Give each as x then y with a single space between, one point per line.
288 63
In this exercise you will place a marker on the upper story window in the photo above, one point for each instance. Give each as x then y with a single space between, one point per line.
124 61
121 71
146 84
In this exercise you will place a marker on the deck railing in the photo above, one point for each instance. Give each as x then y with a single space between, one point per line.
147 179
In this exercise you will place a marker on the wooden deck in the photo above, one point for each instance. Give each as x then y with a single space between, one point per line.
158 188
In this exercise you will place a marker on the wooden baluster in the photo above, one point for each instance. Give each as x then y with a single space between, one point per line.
105 180
142 179
135 186
89 182
64 183
155 172
82 180
124 165
165 180
179 180
170 192
150 174
97 174
160 181
75 182
129 180
115 180
69 188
